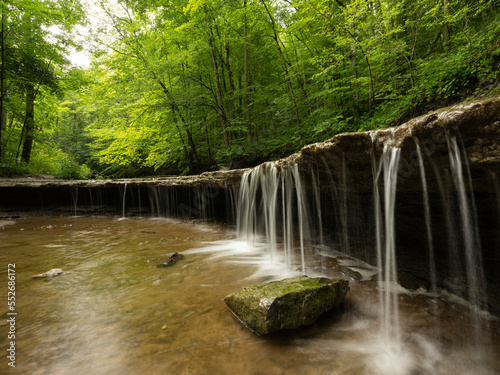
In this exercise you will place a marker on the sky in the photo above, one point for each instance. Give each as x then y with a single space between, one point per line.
97 20
81 59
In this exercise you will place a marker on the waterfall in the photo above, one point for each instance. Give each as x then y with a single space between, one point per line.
124 200
386 240
469 233
266 193
260 208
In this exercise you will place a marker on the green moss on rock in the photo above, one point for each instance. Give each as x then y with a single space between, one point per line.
286 304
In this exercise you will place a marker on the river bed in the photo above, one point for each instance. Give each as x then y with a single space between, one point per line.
115 312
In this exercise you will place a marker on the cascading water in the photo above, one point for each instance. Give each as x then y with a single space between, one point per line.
124 199
386 242
470 234
259 211
260 208
272 210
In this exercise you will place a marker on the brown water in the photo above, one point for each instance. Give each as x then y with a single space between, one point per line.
117 313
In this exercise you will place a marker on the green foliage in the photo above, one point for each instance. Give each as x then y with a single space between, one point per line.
47 160
68 168
35 40
183 86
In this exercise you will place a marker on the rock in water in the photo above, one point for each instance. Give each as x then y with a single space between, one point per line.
171 260
286 304
52 273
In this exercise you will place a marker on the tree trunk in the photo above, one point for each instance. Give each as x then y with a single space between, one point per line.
218 89
29 127
187 154
245 74
232 86
355 88
287 75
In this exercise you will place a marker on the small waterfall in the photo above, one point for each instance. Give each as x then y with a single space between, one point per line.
140 203
246 220
470 233
269 186
427 211
124 197
286 203
260 208
231 203
337 210
91 199
386 241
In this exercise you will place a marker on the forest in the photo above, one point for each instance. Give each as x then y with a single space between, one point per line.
186 86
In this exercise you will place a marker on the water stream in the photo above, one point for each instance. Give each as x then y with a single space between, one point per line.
116 313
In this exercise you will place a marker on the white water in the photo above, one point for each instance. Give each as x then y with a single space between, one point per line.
470 233
386 244
124 197
260 207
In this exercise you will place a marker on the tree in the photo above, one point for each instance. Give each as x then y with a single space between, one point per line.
33 56
188 85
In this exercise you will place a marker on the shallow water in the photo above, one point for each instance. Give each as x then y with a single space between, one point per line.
117 313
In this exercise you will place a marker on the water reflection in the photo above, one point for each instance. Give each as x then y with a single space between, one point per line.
116 313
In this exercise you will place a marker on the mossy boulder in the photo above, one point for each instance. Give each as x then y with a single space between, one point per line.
286 304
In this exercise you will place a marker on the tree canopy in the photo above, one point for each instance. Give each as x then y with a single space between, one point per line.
184 86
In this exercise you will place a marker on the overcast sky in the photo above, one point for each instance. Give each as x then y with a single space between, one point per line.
97 20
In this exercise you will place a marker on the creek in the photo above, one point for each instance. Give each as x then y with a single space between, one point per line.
409 215
115 312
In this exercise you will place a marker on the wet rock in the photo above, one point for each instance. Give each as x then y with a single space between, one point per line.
52 273
286 304
351 274
174 258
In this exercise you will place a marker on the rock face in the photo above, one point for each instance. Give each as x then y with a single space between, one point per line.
286 304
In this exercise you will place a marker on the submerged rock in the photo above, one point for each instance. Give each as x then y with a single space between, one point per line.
286 304
171 260
351 274
52 273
